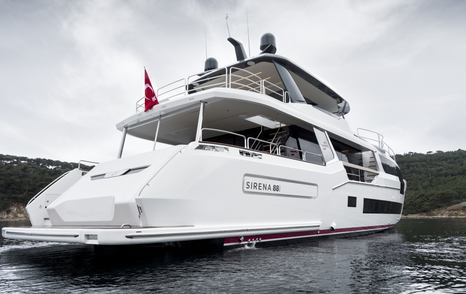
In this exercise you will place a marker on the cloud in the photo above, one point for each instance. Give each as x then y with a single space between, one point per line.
70 70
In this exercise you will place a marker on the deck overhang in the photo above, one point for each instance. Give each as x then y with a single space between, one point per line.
226 109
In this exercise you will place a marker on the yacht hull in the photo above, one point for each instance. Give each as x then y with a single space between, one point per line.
232 197
231 236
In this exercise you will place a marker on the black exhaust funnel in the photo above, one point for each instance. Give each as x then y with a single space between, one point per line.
239 50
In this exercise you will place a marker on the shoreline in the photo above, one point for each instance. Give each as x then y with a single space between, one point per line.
14 219
415 216
409 216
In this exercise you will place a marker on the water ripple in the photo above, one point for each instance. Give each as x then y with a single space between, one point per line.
417 257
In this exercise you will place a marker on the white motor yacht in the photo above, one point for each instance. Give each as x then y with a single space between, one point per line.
258 151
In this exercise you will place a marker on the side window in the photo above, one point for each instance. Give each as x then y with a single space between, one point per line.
357 160
302 144
390 167
307 142
311 150
291 149
357 155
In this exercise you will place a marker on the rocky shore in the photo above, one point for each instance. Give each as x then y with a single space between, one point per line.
454 211
14 213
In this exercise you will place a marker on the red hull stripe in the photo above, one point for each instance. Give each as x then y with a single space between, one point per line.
301 234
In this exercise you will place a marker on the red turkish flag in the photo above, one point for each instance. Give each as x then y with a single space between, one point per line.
151 99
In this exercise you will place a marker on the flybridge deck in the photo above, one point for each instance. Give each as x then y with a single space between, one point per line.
267 74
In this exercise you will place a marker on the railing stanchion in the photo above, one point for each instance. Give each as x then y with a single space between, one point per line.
122 144
199 122
156 133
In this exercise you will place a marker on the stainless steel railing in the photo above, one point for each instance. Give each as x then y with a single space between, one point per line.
233 78
245 145
304 155
273 148
359 173
267 143
376 139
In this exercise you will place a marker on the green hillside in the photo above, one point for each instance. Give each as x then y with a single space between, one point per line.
22 177
434 180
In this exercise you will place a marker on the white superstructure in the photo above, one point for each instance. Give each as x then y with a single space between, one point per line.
258 151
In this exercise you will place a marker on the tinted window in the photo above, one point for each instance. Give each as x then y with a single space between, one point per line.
302 144
293 151
390 167
381 206
312 151
307 142
351 201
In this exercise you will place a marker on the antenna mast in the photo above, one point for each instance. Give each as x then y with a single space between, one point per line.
249 42
228 28
205 41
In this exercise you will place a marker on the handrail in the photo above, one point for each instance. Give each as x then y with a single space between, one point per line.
240 78
243 70
140 104
362 173
351 165
241 86
280 89
257 137
287 147
380 143
273 151
262 141
173 89
169 84
198 81
224 132
231 78
46 187
243 78
204 87
320 156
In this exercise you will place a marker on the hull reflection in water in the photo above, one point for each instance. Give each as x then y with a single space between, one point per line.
417 256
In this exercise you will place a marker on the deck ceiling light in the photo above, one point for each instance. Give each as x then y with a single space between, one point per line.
264 121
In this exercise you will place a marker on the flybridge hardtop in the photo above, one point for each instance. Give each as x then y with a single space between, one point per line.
257 151
312 91
274 75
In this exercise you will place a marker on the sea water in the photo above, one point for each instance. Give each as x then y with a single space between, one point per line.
418 256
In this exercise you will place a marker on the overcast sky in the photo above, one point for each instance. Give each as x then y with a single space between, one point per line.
70 70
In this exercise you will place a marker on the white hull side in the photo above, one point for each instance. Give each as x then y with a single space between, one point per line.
207 189
200 194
